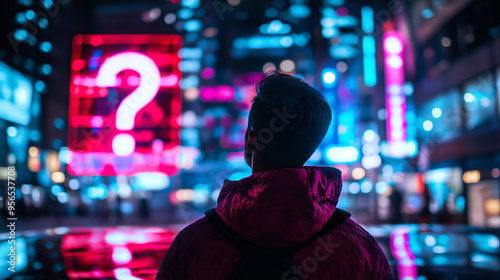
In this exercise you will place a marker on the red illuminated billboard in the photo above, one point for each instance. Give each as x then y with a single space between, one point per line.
125 104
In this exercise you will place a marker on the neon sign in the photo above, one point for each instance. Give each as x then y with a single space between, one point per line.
395 98
125 104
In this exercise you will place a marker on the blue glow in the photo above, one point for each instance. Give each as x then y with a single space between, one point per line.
62 197
64 154
39 85
74 184
201 194
349 39
192 25
21 257
45 46
185 13
56 189
347 122
369 45
150 181
412 148
443 239
366 187
484 242
370 70
209 60
460 203
43 23
191 4
354 188
328 12
286 41
47 3
427 13
21 18
190 53
330 32
469 97
275 27
34 135
21 34
381 187
369 135
408 88
300 40
97 192
329 77
300 11
25 2
240 175
344 21
343 51
12 131
46 69
430 240
190 81
437 112
268 42
59 123
336 2
428 125
367 19
30 14
342 154
190 66
95 59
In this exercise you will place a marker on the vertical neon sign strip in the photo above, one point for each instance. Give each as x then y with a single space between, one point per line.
369 61
395 97
125 104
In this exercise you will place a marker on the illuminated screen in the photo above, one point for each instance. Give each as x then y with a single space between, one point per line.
15 95
125 104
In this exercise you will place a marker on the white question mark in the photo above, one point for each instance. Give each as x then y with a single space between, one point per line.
123 144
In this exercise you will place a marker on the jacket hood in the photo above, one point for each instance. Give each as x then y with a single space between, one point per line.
283 207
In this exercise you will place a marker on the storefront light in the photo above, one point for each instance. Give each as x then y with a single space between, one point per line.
472 176
58 177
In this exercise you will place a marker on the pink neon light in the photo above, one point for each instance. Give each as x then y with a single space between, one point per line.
217 94
207 73
165 81
96 121
395 98
129 107
93 121
400 248
121 255
137 99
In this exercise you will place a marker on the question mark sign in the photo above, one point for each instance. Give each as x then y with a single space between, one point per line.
123 144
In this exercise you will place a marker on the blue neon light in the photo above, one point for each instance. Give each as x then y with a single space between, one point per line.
367 19
369 61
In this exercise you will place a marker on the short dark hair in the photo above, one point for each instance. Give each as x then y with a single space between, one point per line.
290 119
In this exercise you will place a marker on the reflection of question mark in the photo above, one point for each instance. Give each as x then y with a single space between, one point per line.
123 144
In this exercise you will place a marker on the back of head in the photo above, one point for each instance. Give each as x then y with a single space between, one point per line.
290 119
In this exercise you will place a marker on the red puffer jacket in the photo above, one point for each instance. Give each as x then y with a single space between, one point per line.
279 209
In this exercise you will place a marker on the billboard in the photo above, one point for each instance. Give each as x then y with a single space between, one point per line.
125 104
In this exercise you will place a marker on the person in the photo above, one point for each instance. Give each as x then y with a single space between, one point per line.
283 203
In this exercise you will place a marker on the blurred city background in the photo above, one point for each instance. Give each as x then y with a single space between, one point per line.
414 87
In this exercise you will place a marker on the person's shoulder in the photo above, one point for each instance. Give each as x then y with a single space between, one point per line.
194 233
361 240
198 234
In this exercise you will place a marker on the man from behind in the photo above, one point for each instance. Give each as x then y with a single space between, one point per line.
283 204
